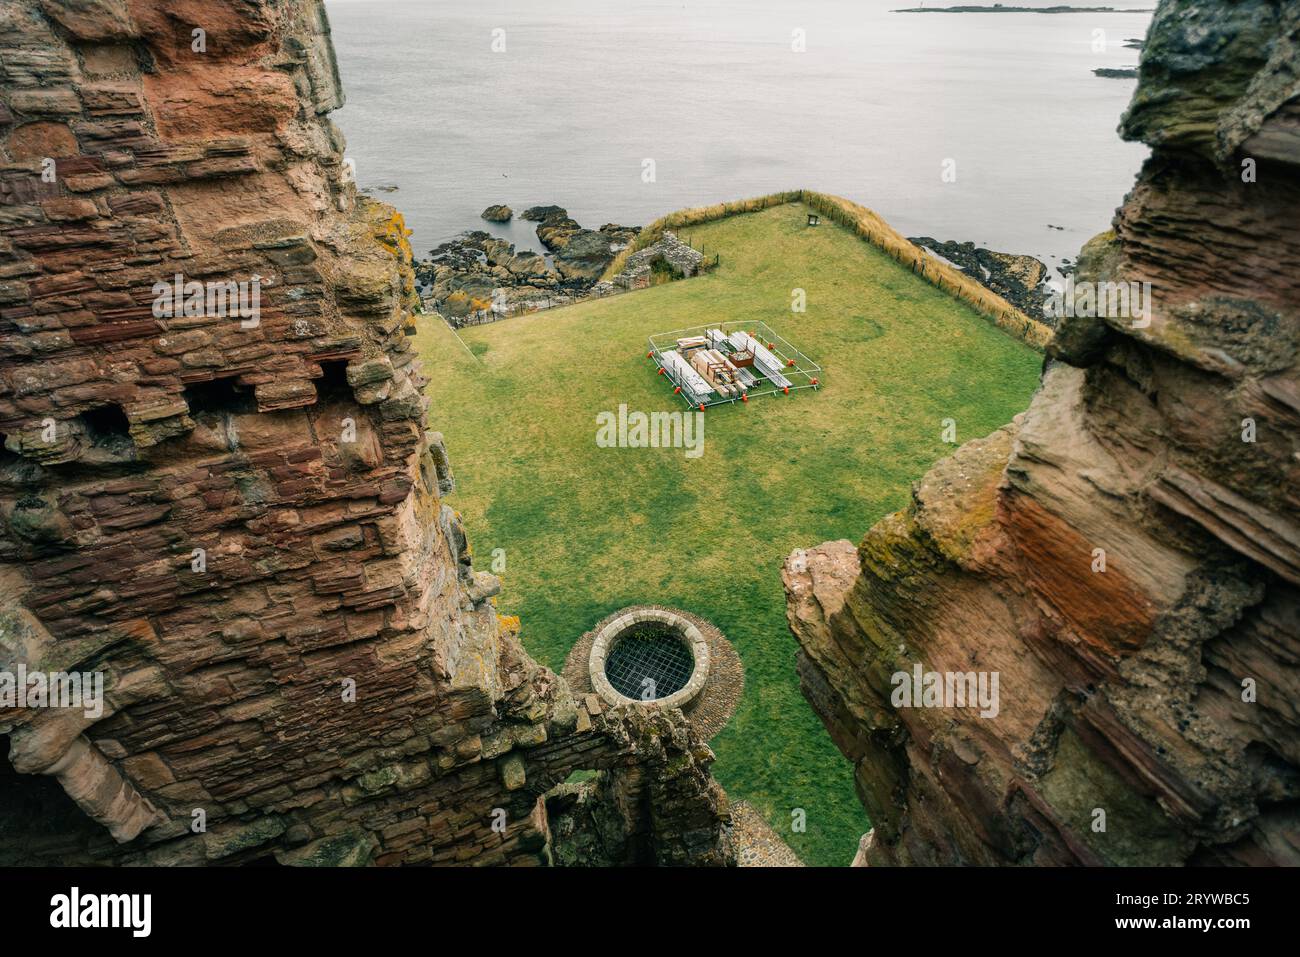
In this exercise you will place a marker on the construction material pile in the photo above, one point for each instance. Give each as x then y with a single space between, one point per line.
711 365
692 384
768 364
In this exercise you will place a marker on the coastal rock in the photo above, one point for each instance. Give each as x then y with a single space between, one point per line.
1125 556
1020 280
540 214
530 265
478 276
620 237
584 254
555 232
497 214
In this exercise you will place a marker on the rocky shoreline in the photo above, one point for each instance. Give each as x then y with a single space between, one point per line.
477 272
1020 280
478 277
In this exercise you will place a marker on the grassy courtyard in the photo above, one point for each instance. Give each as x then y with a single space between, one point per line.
587 530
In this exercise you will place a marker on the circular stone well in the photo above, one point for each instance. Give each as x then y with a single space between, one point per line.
723 680
649 656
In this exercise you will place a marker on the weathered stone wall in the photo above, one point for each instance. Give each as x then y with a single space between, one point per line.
1161 691
237 519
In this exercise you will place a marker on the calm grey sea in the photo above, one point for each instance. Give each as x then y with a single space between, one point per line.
711 90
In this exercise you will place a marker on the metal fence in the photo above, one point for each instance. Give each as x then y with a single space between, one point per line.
797 367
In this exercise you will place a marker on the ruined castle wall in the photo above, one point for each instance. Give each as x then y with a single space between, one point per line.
238 519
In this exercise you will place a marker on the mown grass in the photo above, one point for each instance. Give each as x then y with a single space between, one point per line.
587 530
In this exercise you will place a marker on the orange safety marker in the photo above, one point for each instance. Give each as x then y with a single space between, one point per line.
789 363
701 406
814 381
661 370
744 397
786 390
678 390
649 355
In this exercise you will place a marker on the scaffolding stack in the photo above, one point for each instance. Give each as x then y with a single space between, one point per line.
731 362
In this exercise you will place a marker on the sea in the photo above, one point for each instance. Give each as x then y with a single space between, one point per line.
981 127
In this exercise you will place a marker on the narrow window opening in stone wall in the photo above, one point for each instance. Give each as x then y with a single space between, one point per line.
37 818
6 456
106 424
333 383
219 396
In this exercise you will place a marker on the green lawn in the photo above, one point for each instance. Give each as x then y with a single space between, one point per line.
588 530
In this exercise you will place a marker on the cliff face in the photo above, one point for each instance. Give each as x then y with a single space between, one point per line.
234 514
1126 554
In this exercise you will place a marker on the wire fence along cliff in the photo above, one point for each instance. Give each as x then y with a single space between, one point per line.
869 226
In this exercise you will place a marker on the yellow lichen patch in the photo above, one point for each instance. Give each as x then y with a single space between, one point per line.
956 498
395 237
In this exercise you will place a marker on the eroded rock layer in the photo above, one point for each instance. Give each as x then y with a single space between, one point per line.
218 492
1125 556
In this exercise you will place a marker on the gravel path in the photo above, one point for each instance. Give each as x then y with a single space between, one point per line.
757 845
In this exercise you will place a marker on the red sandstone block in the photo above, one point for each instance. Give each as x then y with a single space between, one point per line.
56 101
295 488
152 176
111 98
88 182
116 331
69 209
63 284
211 168
137 203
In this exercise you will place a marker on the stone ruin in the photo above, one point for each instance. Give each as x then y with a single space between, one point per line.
669 249
234 515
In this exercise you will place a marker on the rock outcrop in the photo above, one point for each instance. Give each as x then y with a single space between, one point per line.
477 276
1125 556
580 254
218 494
1020 280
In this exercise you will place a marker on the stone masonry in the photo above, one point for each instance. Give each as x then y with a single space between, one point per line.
669 249
237 518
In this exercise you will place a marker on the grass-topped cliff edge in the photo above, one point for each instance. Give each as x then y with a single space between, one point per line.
588 530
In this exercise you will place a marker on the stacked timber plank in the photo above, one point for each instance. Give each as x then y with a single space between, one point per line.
743 376
766 363
720 373
692 383
690 344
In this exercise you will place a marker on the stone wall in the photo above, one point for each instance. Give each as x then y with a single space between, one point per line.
238 519
1126 554
677 255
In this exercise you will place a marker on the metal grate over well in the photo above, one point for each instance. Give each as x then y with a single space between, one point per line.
649 662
